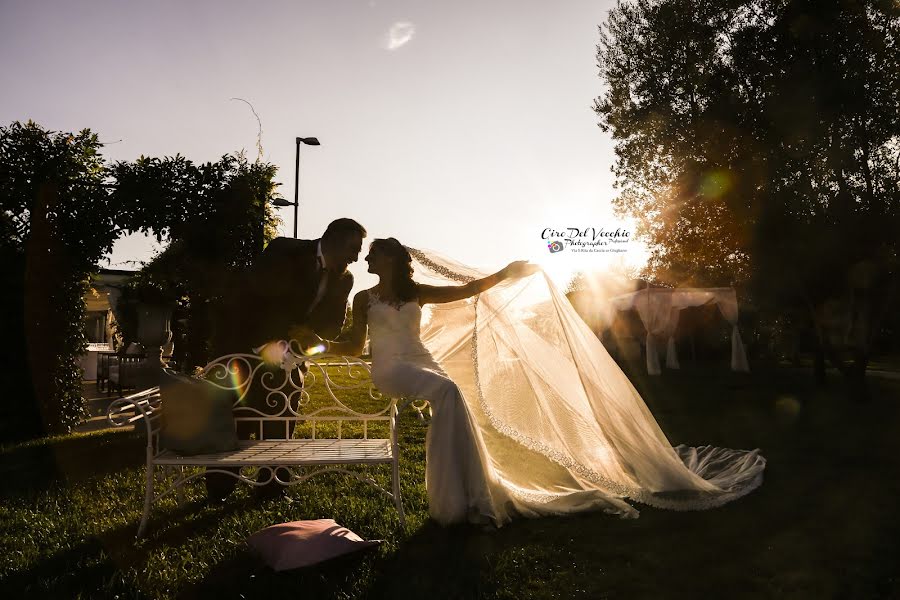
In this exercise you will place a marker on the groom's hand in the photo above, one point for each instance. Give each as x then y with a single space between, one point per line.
272 352
305 338
299 332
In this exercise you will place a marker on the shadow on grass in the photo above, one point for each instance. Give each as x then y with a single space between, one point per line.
92 567
441 562
84 568
434 562
823 524
35 466
245 575
105 565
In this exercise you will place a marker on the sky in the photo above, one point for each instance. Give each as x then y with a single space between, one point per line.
461 127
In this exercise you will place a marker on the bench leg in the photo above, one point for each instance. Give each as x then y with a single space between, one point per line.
179 487
398 501
148 499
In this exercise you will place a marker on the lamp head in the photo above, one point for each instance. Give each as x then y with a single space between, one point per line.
281 202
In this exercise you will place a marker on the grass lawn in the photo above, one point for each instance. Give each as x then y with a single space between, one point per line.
824 524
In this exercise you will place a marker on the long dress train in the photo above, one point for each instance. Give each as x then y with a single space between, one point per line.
531 416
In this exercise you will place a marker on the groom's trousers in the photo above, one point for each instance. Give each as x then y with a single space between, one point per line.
219 485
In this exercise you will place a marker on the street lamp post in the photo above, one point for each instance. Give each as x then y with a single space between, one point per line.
309 141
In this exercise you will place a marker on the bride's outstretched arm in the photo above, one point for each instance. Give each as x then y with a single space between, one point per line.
450 293
350 343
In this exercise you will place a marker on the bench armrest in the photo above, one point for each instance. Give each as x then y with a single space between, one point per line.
143 405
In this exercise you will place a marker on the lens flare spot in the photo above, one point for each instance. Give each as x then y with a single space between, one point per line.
787 409
716 184
317 349
239 377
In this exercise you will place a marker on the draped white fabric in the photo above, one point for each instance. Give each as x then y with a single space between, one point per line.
672 354
659 308
563 428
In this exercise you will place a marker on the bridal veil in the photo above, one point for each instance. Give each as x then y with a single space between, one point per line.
564 430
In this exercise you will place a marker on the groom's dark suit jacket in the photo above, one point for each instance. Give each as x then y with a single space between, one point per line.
287 277
276 294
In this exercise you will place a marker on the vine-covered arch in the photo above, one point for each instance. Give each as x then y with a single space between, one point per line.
63 206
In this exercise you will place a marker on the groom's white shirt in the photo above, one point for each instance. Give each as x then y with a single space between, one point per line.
323 281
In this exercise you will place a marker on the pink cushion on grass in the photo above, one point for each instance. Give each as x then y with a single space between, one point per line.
303 543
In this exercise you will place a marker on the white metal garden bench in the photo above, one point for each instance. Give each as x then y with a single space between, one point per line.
326 449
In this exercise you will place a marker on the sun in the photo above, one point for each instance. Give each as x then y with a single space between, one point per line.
606 274
562 265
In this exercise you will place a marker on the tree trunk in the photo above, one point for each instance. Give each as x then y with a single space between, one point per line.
39 277
819 364
854 368
857 388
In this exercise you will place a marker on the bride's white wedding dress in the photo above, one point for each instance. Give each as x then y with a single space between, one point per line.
456 471
531 416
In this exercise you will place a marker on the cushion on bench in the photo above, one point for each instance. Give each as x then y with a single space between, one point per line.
196 416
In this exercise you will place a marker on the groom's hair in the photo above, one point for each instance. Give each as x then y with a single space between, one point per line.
341 227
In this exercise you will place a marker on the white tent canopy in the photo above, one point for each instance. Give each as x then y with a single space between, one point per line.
659 309
97 300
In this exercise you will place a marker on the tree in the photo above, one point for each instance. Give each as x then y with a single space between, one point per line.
216 217
62 208
758 143
57 222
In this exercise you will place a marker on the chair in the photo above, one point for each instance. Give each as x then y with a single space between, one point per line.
103 359
123 370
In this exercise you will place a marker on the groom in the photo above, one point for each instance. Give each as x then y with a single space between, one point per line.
305 282
293 283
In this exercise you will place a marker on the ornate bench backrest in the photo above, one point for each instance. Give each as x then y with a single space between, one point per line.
287 388
313 394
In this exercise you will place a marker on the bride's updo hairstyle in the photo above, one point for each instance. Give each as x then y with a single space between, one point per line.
404 286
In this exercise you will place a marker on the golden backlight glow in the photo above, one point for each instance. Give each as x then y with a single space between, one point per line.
563 266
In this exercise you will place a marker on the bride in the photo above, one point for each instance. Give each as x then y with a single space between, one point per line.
531 416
